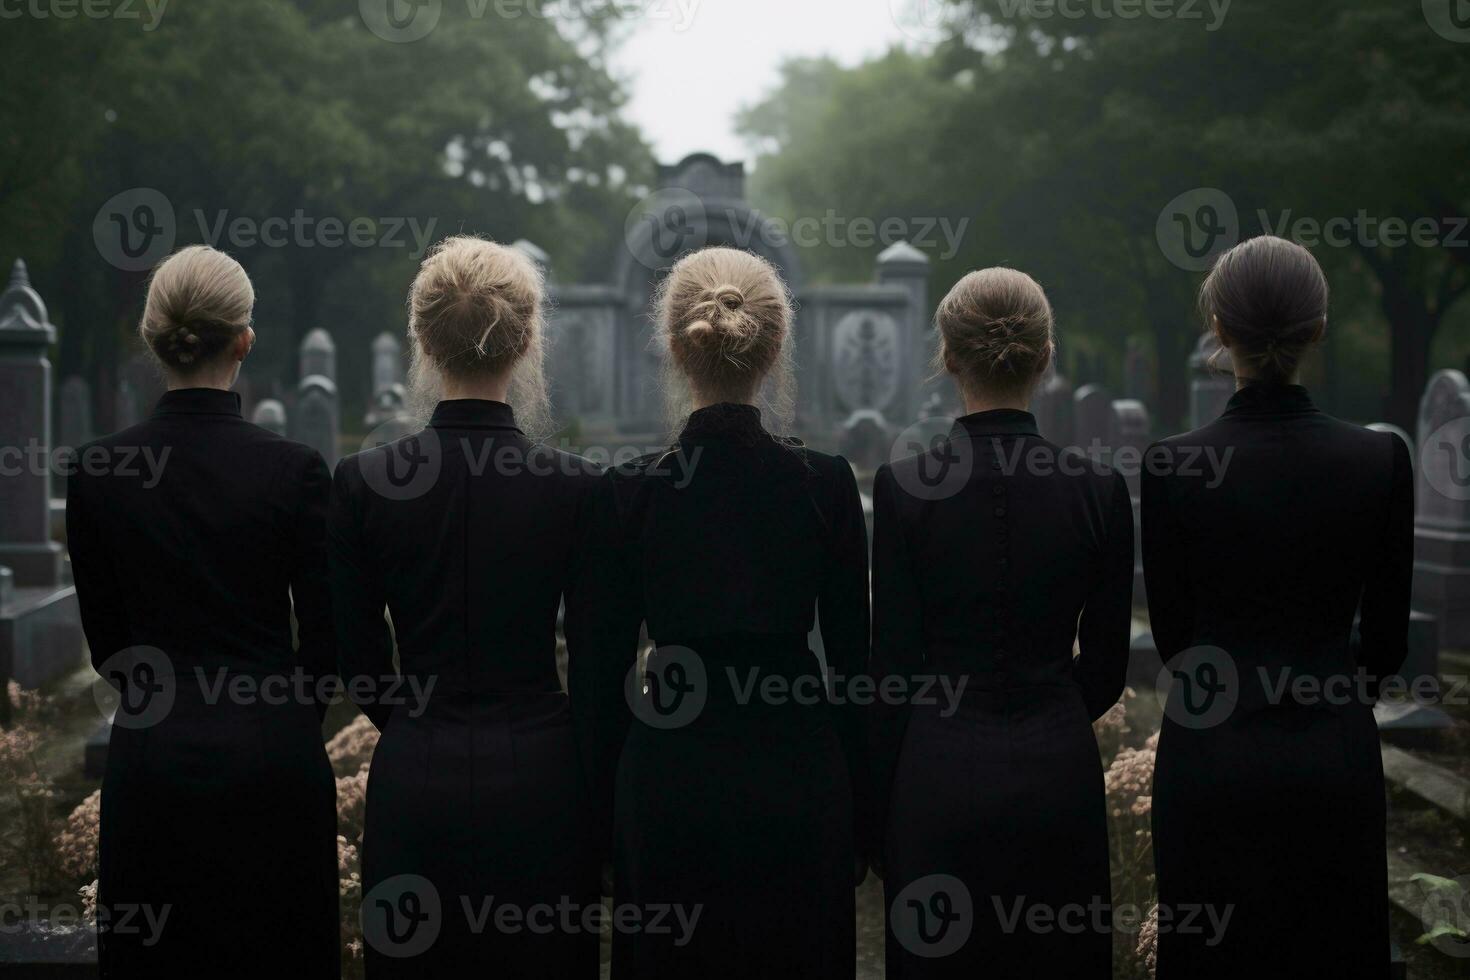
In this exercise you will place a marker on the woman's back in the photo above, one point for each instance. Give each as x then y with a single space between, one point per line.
201 528
1276 520
470 545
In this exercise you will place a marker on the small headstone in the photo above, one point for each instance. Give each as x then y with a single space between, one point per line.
76 413
318 355
1442 517
865 440
271 416
1052 406
1092 420
1129 438
389 399
315 416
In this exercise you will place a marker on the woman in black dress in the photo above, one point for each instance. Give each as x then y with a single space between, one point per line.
992 553
735 784
477 855
193 537
1268 801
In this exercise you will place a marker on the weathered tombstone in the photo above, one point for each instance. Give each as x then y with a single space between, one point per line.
318 355
1092 420
1129 436
40 631
865 440
1052 406
316 415
76 413
903 266
389 397
1442 518
1211 381
271 416
26 334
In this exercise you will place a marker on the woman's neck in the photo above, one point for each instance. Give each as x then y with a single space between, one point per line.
491 389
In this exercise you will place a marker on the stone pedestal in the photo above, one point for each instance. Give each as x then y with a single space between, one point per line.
1442 518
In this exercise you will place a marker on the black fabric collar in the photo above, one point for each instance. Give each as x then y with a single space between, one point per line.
198 401
473 413
997 422
725 419
1263 398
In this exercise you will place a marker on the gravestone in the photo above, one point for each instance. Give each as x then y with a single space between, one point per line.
1129 436
1092 421
271 416
26 334
1442 517
76 413
865 441
40 629
1211 381
389 397
316 418
1052 406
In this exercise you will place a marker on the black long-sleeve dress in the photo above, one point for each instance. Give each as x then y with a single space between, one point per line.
1268 803
192 536
992 553
735 804
477 856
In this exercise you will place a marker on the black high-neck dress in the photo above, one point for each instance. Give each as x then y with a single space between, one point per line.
193 537
735 765
1268 799
993 553
477 853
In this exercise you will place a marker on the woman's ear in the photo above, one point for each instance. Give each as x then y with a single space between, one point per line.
244 343
1220 334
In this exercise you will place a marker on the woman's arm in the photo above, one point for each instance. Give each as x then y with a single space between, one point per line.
604 614
311 597
898 650
104 614
1386 593
364 642
1101 668
1170 605
842 610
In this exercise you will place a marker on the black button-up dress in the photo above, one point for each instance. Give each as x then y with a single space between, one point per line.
992 554
476 853
737 782
192 535
1268 795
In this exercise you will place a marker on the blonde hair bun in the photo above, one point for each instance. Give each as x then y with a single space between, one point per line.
199 301
475 306
996 331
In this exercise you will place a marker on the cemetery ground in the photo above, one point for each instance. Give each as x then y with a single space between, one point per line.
48 814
